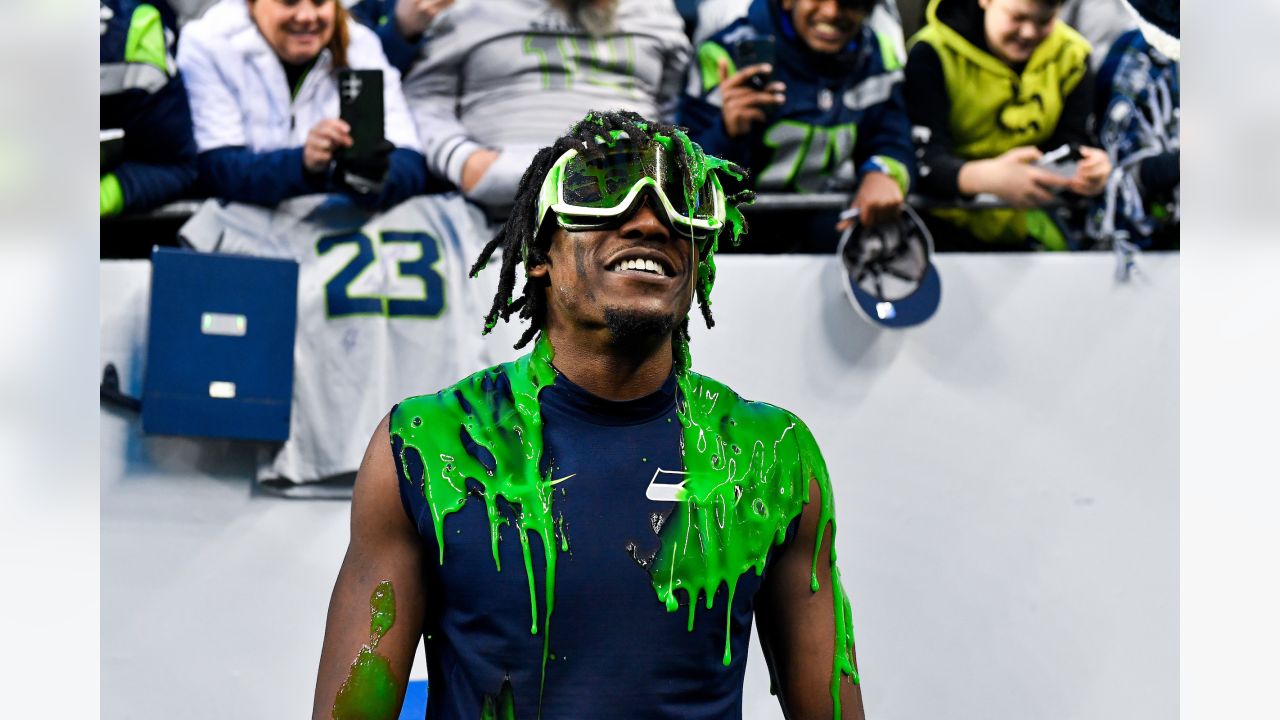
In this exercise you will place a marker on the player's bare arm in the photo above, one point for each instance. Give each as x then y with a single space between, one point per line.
377 608
797 626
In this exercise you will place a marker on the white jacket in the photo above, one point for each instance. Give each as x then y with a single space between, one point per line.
239 94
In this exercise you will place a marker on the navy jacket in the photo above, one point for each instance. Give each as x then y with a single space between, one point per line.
844 114
142 93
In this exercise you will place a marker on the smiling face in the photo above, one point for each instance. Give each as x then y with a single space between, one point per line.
826 26
297 30
633 280
1015 28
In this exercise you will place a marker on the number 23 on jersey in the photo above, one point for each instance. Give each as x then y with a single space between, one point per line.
397 276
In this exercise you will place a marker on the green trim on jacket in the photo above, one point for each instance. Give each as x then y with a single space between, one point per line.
146 42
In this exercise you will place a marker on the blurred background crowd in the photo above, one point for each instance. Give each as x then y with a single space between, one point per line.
1008 124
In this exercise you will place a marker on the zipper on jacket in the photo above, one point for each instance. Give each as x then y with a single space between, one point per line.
303 83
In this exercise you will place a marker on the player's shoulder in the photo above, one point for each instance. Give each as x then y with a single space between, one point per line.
707 396
430 408
717 420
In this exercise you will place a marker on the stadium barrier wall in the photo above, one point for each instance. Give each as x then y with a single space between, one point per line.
1006 483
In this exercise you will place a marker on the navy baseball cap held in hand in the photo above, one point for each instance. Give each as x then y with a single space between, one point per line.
888 272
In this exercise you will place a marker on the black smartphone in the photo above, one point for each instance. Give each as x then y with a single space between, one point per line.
754 51
360 106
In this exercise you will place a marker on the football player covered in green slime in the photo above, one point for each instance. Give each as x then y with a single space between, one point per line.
616 225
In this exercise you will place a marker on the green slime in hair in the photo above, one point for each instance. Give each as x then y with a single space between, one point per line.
701 167
370 690
748 467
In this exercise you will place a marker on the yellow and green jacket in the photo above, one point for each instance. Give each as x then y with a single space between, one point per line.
967 104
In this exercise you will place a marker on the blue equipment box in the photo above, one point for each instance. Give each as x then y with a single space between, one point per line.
220 345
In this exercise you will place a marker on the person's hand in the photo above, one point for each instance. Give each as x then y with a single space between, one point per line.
476 165
741 105
1091 172
1013 177
322 142
366 174
879 199
413 17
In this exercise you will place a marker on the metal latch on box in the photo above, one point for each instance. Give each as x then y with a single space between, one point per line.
228 324
222 390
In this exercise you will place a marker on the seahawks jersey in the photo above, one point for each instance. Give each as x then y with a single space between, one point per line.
591 558
844 113
612 648
383 307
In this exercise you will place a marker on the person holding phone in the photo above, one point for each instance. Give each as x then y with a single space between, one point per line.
824 113
262 77
593 530
993 85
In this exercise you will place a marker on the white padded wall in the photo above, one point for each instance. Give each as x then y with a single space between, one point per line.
1006 477
1006 482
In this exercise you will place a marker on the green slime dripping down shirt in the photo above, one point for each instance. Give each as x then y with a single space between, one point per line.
600 557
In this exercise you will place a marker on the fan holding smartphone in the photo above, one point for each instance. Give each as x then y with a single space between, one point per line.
331 117
807 97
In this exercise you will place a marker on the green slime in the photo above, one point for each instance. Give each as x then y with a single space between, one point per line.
510 428
502 707
370 690
747 464
747 470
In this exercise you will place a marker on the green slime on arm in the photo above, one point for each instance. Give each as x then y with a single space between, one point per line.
370 690
748 467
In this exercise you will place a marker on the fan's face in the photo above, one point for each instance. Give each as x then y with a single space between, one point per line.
297 30
826 26
1015 28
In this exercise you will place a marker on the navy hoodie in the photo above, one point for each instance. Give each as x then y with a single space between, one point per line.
844 114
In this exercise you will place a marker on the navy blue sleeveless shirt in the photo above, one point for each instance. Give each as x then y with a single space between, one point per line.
614 649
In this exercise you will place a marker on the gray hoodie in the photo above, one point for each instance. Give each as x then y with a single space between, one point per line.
513 75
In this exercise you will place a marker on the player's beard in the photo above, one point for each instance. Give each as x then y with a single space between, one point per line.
636 330
597 17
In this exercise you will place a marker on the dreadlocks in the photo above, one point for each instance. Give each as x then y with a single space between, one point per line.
517 238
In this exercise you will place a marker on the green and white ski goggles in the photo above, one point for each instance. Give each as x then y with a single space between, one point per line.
589 193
